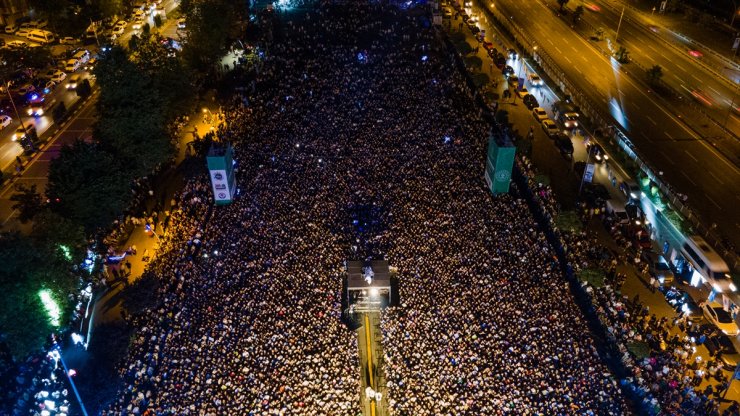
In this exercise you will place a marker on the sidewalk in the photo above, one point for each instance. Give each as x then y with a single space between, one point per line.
108 305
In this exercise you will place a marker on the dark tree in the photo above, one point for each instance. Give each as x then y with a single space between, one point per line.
562 4
27 201
88 185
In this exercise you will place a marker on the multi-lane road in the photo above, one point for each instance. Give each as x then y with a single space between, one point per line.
79 126
690 164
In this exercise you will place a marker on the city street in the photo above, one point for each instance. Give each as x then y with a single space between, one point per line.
687 162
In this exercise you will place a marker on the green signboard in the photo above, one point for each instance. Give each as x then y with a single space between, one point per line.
499 162
221 168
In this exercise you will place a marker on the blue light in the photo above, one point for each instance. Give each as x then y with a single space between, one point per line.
447 139
424 58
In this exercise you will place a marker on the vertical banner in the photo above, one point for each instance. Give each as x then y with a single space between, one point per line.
221 169
499 163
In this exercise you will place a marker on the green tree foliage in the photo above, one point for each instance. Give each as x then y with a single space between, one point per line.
27 201
142 294
480 79
60 233
577 13
109 8
622 55
25 57
654 74
132 123
464 48
87 186
28 266
474 62
568 221
208 24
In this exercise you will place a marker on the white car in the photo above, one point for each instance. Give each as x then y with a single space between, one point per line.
72 65
717 315
550 128
73 81
23 32
539 113
181 23
58 76
118 30
5 121
16 44
535 80
68 40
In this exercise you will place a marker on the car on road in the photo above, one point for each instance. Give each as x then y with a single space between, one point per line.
23 32
535 80
513 81
90 65
683 302
5 121
596 152
659 268
20 132
25 89
119 28
530 101
539 113
717 315
58 77
550 128
564 144
11 28
68 40
73 81
721 347
569 120
522 92
508 70
181 22
630 189
72 65
16 44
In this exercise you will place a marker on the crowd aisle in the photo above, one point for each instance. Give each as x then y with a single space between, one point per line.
358 106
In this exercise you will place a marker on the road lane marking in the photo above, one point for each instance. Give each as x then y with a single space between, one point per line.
651 120
715 91
548 39
568 59
691 156
700 81
651 47
677 65
716 178
688 177
579 70
648 138
668 135
669 159
559 51
715 204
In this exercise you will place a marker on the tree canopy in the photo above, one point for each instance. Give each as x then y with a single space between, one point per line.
86 185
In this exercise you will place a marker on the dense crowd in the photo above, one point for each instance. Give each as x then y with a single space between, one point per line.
359 106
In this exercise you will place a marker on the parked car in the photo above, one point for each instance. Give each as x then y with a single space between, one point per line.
25 89
530 101
11 28
660 269
181 23
564 144
513 81
17 44
630 189
5 121
550 128
684 303
20 132
569 120
539 113
721 346
58 76
23 32
68 40
522 92
717 315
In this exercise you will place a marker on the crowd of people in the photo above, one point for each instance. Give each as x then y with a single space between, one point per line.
359 105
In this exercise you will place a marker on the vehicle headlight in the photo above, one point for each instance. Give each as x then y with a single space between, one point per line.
40 112
716 287
30 111
726 332
732 287
633 195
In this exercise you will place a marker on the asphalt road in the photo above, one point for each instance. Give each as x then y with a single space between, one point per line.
690 164
649 45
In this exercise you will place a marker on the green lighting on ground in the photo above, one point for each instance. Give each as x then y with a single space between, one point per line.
51 306
67 253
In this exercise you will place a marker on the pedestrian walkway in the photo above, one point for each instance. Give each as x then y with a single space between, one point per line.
374 397
165 186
